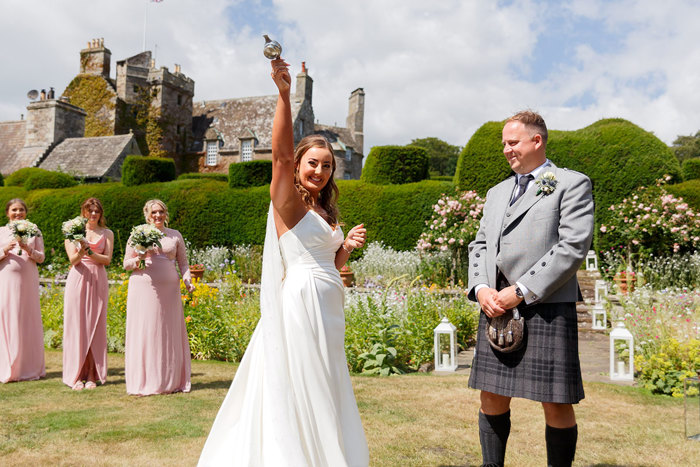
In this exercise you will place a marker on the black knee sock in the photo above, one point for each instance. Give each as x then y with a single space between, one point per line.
561 445
493 435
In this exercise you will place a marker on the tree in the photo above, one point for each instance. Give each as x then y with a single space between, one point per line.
686 147
442 156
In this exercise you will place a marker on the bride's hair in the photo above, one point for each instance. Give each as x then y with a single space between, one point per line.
328 197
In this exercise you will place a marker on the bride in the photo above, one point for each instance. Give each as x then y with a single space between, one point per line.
291 402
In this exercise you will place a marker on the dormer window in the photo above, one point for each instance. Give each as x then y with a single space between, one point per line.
246 150
212 152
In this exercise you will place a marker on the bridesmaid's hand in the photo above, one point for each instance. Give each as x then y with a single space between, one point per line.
10 246
356 237
189 286
280 75
26 248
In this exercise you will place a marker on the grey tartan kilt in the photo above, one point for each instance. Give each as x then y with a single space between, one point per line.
545 369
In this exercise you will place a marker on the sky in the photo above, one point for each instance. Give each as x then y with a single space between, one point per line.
437 68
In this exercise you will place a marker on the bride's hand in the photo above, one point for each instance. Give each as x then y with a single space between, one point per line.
356 237
280 75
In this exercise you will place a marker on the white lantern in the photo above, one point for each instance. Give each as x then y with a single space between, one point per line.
445 346
691 397
600 317
621 354
591 261
601 290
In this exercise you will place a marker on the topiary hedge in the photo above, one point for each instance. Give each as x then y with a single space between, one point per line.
18 177
691 169
139 170
206 213
482 164
209 176
689 191
250 173
49 179
396 165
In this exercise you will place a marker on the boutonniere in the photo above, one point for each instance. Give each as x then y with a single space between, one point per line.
546 183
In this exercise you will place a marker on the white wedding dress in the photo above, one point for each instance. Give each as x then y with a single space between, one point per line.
291 402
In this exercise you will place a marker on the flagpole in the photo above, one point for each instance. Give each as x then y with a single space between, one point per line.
145 23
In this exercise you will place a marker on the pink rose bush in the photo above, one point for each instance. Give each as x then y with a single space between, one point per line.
653 221
454 223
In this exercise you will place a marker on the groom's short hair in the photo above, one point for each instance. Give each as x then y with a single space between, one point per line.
533 122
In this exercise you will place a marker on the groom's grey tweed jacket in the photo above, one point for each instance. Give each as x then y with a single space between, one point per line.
540 241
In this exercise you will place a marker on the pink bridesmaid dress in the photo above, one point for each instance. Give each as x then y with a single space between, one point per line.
21 331
85 316
157 354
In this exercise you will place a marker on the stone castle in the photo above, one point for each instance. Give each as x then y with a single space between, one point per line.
98 120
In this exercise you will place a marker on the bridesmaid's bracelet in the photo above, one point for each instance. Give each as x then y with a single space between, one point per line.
346 250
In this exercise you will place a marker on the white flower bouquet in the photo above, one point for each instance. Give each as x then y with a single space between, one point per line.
145 237
75 230
23 230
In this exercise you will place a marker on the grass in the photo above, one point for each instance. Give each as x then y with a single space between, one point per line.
411 420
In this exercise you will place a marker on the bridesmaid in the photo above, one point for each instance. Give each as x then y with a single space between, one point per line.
21 332
85 302
157 354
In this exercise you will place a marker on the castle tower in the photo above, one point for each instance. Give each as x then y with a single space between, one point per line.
96 58
356 117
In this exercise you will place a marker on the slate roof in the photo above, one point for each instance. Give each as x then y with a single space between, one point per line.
337 136
243 117
12 136
91 157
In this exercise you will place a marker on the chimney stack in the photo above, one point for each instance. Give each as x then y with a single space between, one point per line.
96 59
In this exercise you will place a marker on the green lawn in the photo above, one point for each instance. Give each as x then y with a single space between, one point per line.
411 420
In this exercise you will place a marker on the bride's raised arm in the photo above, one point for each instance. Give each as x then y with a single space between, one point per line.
288 205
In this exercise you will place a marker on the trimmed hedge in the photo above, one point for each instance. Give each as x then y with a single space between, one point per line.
139 170
396 165
482 164
18 177
691 169
48 179
250 173
689 191
207 213
209 176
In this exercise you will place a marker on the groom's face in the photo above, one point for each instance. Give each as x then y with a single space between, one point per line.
524 152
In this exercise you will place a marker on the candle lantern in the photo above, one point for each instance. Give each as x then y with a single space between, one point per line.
599 317
601 290
445 346
621 354
591 261
691 390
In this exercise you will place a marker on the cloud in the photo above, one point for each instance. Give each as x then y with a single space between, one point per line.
428 68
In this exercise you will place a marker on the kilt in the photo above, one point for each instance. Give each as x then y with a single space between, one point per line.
545 369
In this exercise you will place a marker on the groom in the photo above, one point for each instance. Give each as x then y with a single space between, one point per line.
535 232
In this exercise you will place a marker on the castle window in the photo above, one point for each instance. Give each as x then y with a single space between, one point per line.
179 99
346 176
246 150
348 154
136 89
301 128
212 152
179 129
